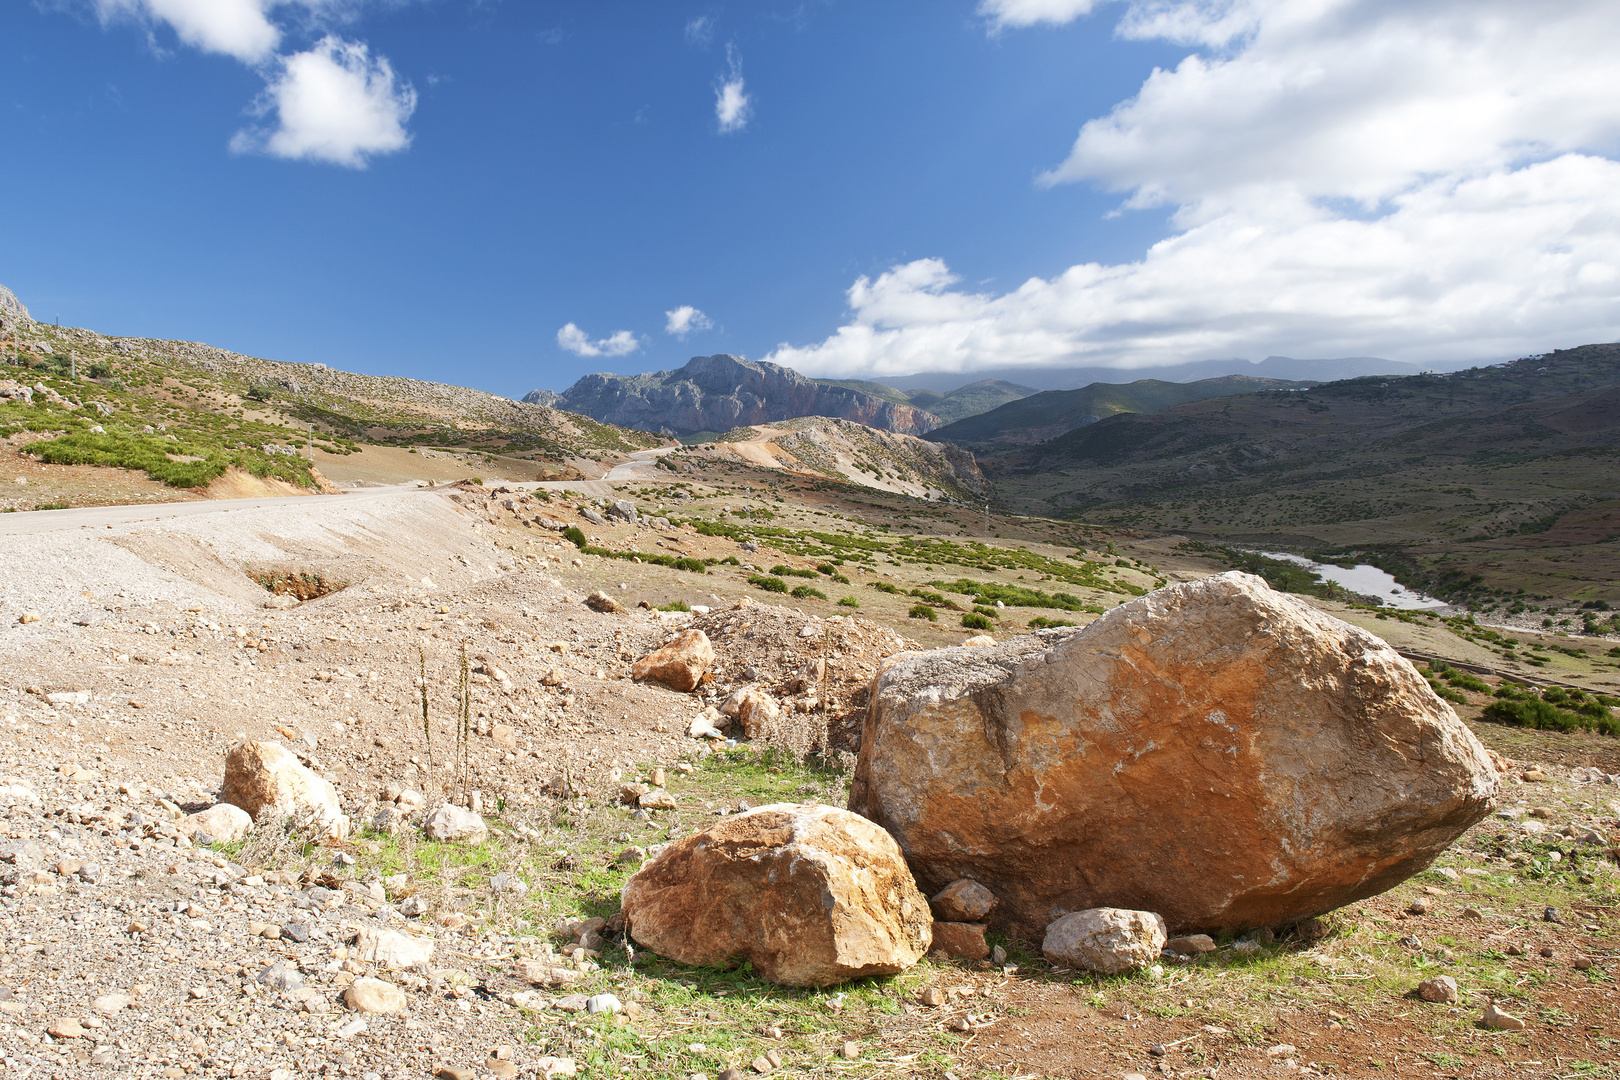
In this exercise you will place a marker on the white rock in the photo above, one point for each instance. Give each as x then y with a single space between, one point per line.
454 823
266 777
1105 940
222 822
373 996
392 949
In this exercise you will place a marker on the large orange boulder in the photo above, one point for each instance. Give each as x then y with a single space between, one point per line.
679 665
810 895
1216 752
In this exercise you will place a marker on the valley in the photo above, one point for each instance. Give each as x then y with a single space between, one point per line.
144 635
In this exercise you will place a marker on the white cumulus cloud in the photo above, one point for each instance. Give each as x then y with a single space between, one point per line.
1431 180
334 103
578 342
1005 14
732 105
239 28
684 320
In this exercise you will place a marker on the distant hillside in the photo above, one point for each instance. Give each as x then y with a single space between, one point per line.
1272 367
1483 483
721 392
970 400
964 401
1051 413
185 412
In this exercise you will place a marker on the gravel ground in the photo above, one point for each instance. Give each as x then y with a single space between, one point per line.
130 950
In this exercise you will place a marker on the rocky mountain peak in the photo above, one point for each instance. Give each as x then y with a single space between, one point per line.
11 307
720 392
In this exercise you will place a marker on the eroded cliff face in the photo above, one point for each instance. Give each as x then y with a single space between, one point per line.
721 392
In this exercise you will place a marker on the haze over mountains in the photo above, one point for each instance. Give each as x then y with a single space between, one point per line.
1272 367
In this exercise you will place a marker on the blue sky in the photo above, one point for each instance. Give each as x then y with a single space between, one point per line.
510 194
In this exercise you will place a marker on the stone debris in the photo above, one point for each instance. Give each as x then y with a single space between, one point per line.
810 895
374 996
1105 940
1498 1020
601 601
1211 690
1442 989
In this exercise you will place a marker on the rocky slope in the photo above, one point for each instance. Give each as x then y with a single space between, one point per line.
11 309
843 450
721 392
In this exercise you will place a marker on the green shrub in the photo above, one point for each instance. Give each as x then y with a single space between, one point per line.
923 611
1531 713
1468 682
884 586
791 571
1445 692
575 537
804 592
849 601
841 579
769 584
988 612
826 568
974 620
676 605
1041 622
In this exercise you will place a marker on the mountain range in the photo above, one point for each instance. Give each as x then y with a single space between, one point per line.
1051 413
714 394
1272 367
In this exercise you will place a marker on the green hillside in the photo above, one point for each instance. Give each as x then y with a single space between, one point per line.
1051 413
969 400
1489 485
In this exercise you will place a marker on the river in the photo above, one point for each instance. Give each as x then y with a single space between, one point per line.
1364 579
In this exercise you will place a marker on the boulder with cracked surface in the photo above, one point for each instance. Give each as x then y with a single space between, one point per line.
1222 754
810 895
680 665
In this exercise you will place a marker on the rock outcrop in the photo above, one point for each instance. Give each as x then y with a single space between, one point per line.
810 895
721 392
1216 752
12 311
267 778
